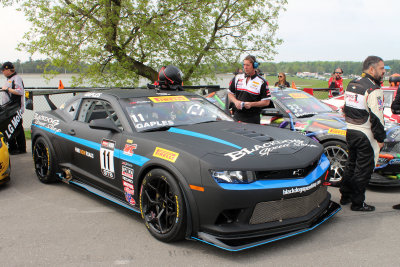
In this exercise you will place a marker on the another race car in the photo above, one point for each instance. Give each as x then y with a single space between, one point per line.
5 166
186 166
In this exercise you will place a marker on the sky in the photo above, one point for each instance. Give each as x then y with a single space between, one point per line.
312 30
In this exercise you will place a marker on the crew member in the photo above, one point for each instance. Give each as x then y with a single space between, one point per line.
336 81
14 87
248 92
363 112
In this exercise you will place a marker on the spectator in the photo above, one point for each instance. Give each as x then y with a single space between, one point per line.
336 81
282 80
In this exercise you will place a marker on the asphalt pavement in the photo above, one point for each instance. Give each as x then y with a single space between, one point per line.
60 225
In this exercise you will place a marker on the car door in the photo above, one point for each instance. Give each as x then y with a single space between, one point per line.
94 151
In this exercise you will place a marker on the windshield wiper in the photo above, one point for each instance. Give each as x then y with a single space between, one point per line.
155 129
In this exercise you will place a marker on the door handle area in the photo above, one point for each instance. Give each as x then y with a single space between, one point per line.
71 132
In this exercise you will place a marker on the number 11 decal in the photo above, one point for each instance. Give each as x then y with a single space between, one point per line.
107 158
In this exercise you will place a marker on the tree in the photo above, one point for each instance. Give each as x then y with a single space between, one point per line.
120 39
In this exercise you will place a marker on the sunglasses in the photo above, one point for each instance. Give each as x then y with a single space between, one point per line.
280 76
338 72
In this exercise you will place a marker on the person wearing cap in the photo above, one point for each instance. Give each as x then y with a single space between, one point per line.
336 82
14 87
248 92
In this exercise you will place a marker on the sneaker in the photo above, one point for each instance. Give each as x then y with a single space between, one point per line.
345 201
396 207
363 207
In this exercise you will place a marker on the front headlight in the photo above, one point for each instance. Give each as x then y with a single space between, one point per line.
234 177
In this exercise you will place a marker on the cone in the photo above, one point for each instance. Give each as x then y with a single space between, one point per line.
60 85
294 85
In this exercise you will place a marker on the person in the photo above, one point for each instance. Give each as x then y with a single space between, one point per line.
365 135
282 80
14 87
170 78
248 92
395 107
336 81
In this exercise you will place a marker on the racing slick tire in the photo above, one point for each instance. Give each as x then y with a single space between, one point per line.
44 161
337 153
162 206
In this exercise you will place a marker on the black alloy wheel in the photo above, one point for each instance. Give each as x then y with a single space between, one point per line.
44 161
162 206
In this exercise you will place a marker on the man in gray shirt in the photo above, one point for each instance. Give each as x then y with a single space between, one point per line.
14 87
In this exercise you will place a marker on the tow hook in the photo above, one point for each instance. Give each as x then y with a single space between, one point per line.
65 176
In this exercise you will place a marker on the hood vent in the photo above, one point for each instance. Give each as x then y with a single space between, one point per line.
251 134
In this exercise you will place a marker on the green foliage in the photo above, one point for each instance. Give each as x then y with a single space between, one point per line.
116 41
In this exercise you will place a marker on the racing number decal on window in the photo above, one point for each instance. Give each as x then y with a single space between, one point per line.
135 119
107 158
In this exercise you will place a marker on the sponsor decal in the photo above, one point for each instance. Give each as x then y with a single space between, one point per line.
380 103
300 125
337 131
47 122
126 179
128 185
140 102
129 193
124 163
127 172
84 152
267 148
107 158
295 190
164 99
256 83
92 94
15 121
128 149
129 141
298 95
165 154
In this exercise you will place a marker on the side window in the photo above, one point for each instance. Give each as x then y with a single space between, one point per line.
93 109
72 108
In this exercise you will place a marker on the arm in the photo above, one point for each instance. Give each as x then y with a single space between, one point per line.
265 98
231 95
375 105
396 103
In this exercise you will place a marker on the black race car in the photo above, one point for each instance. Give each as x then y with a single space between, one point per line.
186 166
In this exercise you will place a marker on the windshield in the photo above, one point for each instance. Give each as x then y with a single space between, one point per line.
388 97
302 104
162 112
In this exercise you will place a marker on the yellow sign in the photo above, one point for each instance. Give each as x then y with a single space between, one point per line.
165 154
164 99
336 131
298 95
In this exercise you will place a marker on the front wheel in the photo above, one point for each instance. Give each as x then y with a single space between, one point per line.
44 161
337 153
162 206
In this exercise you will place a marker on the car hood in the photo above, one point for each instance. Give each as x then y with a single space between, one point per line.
322 121
240 145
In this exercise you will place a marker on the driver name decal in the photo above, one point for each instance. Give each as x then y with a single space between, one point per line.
164 99
266 148
107 158
165 154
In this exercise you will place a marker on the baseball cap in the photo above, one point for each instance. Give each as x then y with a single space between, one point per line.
7 66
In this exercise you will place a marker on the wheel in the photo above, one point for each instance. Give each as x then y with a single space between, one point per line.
162 206
44 161
337 153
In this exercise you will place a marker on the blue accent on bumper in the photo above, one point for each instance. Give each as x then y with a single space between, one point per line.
322 167
202 136
134 159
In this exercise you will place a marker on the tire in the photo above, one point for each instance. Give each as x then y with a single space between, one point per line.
337 153
44 161
162 206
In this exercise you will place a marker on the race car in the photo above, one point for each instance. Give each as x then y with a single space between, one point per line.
5 166
301 112
185 166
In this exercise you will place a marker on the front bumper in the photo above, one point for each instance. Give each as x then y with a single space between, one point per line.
238 243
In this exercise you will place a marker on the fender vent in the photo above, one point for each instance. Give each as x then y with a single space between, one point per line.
251 134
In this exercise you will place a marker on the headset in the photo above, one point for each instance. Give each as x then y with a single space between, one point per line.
255 63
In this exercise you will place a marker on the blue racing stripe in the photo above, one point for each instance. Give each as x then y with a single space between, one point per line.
135 159
202 136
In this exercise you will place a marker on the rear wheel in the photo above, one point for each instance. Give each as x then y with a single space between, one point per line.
44 161
337 153
162 206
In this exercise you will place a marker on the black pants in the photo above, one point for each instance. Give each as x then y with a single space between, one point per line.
359 167
17 142
247 117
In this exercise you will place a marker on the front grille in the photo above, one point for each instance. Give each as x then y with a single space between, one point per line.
286 173
287 208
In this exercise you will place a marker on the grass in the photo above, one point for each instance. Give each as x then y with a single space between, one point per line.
28 134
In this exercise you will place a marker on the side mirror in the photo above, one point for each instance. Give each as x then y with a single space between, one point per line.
104 124
271 112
